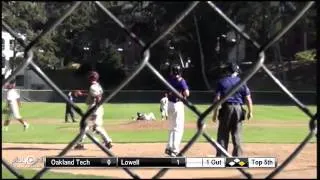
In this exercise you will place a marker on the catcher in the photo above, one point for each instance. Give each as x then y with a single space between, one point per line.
69 110
96 119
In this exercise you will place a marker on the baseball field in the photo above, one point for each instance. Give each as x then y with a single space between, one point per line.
274 131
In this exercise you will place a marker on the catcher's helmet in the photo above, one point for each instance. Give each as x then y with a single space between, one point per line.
93 76
176 69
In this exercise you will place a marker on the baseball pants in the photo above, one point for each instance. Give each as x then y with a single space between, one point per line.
164 112
14 110
95 125
230 122
176 125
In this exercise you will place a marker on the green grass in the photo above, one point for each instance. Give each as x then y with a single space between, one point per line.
28 174
126 111
55 131
65 133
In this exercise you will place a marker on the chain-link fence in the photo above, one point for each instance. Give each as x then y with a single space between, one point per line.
28 56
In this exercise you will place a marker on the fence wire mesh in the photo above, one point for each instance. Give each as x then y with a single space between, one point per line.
28 61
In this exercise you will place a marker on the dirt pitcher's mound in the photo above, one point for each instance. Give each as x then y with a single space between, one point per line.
143 125
303 166
163 125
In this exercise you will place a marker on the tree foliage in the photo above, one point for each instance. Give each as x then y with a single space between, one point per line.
308 55
90 37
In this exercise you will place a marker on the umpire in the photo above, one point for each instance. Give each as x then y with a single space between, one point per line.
231 113
69 110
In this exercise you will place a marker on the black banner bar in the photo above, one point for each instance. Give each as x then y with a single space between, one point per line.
78 162
89 162
152 162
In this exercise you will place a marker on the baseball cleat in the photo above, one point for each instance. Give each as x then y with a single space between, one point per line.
79 147
108 145
173 155
167 151
26 126
170 153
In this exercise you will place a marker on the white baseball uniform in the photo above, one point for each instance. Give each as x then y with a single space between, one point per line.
150 116
176 125
94 91
96 119
12 98
164 106
146 117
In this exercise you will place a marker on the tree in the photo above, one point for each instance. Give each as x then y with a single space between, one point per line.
90 37
30 18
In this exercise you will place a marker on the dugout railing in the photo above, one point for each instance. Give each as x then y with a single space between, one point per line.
145 63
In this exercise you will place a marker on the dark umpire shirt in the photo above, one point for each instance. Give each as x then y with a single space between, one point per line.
226 83
180 86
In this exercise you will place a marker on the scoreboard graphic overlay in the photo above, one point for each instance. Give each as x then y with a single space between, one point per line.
160 162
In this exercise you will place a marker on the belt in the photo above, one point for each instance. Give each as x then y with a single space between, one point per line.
175 101
231 103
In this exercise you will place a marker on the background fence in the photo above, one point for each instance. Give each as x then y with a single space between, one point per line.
151 96
145 63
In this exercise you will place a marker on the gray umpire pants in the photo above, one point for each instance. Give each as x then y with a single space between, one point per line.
230 122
